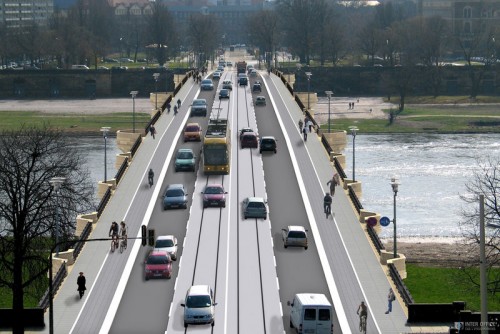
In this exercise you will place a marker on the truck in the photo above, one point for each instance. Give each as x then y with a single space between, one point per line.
294 235
241 66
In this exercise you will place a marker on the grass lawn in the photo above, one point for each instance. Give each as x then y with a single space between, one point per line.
445 285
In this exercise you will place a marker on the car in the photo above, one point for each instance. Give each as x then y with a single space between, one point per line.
243 130
199 107
254 207
214 195
257 87
216 75
220 68
249 139
207 84
268 143
229 64
185 160
175 197
158 264
227 84
243 80
260 101
253 72
199 305
102 68
167 243
294 235
224 94
192 132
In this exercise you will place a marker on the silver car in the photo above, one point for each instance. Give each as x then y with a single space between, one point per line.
294 235
199 305
254 207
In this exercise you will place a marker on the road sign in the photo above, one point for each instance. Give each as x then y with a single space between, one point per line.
385 221
372 221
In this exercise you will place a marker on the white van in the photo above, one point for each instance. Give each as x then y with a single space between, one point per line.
311 313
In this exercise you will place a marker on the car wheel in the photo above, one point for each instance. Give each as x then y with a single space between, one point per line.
176 170
185 325
244 217
147 278
260 151
223 205
291 325
275 151
285 245
305 248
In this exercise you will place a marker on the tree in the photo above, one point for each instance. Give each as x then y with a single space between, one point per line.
161 32
203 32
263 29
29 158
486 181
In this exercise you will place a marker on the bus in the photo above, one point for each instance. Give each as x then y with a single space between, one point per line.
217 147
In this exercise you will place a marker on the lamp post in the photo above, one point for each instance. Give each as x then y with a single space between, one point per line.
105 130
56 183
156 76
395 183
134 94
121 38
353 129
329 93
308 88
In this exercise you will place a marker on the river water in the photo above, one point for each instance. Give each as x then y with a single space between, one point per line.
432 170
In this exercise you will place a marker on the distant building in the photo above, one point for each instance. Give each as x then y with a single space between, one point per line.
19 13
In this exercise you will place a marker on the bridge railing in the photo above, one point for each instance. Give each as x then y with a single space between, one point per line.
84 235
121 171
379 246
104 201
57 281
400 285
354 199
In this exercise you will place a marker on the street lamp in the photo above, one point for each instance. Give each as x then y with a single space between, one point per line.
134 94
105 130
353 133
156 76
56 183
121 38
308 87
329 93
395 183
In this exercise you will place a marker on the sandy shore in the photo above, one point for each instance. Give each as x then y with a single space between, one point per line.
429 253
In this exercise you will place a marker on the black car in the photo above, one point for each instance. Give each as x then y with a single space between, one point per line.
224 94
268 143
257 87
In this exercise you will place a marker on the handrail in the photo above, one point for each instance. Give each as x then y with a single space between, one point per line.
136 145
339 168
121 170
375 239
84 235
152 121
57 281
354 199
400 285
103 202
326 144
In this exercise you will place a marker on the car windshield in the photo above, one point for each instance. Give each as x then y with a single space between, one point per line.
214 190
157 260
174 193
192 129
256 205
164 243
185 155
199 103
206 82
215 155
267 141
198 301
296 234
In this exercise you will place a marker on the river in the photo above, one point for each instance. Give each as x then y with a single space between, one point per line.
432 170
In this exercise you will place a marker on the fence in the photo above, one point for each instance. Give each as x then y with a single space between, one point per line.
121 170
56 283
375 239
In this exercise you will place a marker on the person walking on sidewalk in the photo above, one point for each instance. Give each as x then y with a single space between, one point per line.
152 130
390 298
304 131
81 281
333 183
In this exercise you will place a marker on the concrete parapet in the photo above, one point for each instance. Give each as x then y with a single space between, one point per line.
337 140
399 262
120 158
365 214
102 187
66 256
340 158
313 99
125 140
158 98
82 220
355 185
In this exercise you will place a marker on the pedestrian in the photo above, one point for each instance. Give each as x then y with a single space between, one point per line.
300 124
178 103
175 110
309 125
152 130
80 281
390 298
353 105
304 131
349 105
333 183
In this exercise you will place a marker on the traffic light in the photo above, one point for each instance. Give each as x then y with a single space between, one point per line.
144 235
151 236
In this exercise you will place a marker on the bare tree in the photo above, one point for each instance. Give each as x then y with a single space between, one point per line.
486 181
161 31
369 42
29 158
263 29
203 32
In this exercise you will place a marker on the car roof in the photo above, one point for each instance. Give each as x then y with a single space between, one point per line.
268 137
175 186
214 185
206 81
185 150
201 100
156 252
261 97
248 134
255 199
296 228
192 124
199 290
165 237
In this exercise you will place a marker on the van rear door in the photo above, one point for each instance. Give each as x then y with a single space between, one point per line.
309 321
324 322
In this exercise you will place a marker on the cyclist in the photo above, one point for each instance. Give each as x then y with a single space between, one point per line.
123 233
151 176
113 233
327 204
362 311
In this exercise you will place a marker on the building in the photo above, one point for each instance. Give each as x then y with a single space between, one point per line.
19 13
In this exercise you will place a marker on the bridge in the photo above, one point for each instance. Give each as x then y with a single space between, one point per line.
243 260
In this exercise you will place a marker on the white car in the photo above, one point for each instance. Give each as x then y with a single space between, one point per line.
199 306
167 243
294 235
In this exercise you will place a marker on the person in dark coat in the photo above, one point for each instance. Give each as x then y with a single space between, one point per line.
81 284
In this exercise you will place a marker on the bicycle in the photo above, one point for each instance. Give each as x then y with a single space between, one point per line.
114 243
123 244
150 182
362 323
328 210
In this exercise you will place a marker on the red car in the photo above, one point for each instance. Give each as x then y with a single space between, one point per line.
158 265
214 195
249 139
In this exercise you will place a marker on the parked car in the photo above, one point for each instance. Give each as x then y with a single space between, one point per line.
207 84
199 107
249 139
294 235
199 305
227 84
167 243
175 197
157 265
260 101
254 207
214 195
257 87
224 94
192 131
268 143
185 160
